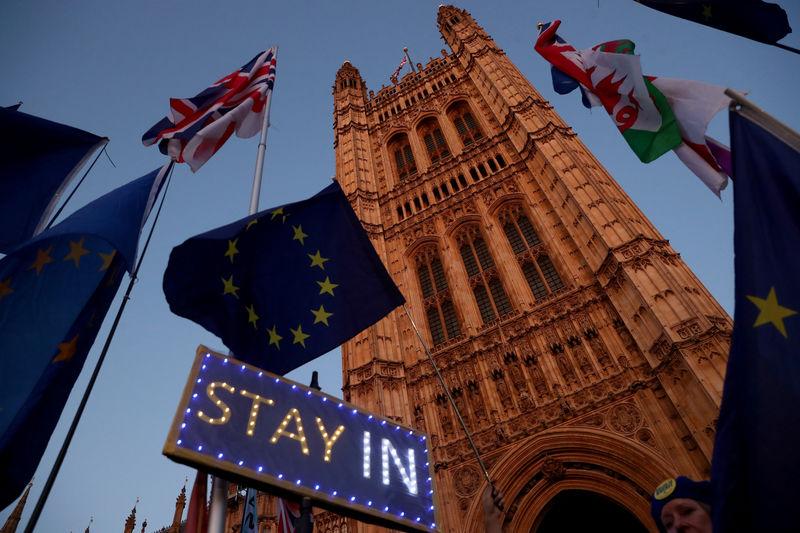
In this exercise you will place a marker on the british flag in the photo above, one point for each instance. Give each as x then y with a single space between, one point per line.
393 77
288 513
197 127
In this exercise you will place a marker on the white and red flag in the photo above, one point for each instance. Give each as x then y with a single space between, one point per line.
288 513
197 127
197 515
653 114
397 72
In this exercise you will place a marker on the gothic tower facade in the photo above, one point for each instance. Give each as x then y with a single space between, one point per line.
585 357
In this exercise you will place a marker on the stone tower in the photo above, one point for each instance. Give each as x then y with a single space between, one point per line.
585 357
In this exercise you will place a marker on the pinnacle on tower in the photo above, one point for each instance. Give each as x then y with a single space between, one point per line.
13 519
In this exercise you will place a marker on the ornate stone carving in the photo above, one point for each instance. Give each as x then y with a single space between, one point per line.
467 480
646 436
553 469
688 328
624 418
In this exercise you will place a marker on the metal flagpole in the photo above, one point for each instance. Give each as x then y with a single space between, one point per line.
219 486
405 49
449 396
262 148
68 439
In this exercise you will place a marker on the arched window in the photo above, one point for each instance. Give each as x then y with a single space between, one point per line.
439 309
400 149
465 123
483 277
431 134
537 267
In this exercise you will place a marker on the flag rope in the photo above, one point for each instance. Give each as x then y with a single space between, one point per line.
449 396
103 142
68 439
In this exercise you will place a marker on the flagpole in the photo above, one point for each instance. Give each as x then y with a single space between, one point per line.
262 148
764 119
219 486
449 396
71 432
405 49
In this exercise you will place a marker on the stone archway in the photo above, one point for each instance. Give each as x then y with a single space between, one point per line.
582 510
568 460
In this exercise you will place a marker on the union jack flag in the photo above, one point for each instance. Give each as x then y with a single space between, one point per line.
197 127
397 72
288 513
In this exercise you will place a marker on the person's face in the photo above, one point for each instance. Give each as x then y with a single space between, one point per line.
683 515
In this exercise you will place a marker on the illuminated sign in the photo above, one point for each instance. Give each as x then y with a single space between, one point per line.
263 430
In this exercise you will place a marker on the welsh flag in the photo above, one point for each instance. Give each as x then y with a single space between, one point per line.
654 115
613 75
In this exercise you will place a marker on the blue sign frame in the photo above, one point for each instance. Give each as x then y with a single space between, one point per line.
249 425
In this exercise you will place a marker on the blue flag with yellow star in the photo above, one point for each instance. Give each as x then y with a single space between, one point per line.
756 464
55 291
283 286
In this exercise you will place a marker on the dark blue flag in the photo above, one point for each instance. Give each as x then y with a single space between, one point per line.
38 159
55 291
756 465
285 285
754 19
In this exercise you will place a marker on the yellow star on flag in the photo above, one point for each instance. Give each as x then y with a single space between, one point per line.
232 249
42 258
4 288
254 221
252 317
230 288
317 260
706 12
299 336
274 338
277 212
298 234
76 251
771 312
321 315
67 349
107 258
327 286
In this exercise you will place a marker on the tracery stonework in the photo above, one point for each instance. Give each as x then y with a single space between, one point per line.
578 346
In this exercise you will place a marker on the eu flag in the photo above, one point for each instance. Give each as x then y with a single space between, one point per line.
285 285
756 464
55 291
755 19
38 159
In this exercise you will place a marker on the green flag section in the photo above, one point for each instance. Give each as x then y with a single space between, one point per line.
650 145
610 74
654 115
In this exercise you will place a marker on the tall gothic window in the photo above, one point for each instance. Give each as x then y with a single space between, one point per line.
400 149
439 309
483 277
537 267
431 134
465 123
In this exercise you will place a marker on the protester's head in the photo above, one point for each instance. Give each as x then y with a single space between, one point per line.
682 505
